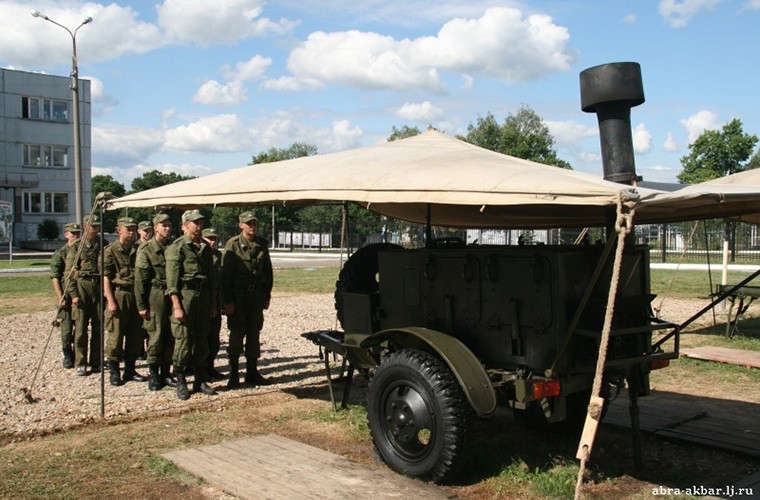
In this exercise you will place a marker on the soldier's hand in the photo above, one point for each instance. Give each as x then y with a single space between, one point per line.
179 314
266 304
75 301
144 314
113 307
229 309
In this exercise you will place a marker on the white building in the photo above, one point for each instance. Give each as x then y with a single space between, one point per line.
37 149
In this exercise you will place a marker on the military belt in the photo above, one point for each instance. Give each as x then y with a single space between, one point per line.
159 285
90 277
197 285
124 288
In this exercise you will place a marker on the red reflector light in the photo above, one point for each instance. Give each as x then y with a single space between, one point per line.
659 363
546 389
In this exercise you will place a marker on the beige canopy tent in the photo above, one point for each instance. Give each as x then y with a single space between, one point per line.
429 178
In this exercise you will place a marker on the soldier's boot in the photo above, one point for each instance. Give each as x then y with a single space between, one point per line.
200 383
167 378
213 373
131 374
234 378
115 376
68 357
154 382
252 375
182 392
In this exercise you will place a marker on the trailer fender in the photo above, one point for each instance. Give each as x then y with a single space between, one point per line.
466 367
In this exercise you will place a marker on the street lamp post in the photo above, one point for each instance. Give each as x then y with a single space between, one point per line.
75 99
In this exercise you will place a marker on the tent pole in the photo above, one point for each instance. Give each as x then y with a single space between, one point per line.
428 226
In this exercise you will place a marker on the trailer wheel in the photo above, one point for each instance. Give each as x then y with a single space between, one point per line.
418 415
359 274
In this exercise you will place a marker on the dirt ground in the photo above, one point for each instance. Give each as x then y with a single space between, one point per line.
117 456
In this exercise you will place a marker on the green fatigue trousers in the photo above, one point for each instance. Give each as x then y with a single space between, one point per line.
123 328
245 325
160 340
87 314
191 337
67 328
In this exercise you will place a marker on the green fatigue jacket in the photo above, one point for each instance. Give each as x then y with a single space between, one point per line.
87 264
58 264
246 266
119 265
188 265
150 271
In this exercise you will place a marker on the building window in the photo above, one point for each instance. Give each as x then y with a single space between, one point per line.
45 203
43 155
36 108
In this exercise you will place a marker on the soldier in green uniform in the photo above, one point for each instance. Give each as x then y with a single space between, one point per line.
85 295
122 322
58 276
145 233
189 280
246 291
152 303
211 237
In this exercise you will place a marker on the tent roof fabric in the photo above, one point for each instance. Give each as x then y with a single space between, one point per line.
431 175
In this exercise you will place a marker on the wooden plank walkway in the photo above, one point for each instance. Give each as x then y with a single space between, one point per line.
274 467
694 420
750 359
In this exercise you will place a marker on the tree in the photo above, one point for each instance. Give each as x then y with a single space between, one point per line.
295 150
523 135
107 184
717 153
403 133
156 178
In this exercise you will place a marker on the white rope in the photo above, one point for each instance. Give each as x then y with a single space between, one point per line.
623 226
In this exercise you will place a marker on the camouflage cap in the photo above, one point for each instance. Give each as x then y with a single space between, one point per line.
145 225
127 222
210 233
192 215
91 220
247 217
159 218
73 227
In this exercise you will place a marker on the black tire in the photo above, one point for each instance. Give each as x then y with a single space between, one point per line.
359 274
419 416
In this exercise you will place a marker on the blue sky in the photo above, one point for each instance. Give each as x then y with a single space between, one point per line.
198 86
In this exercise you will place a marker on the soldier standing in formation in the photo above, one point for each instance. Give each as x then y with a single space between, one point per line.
145 233
189 280
85 295
154 305
123 329
246 291
58 276
211 237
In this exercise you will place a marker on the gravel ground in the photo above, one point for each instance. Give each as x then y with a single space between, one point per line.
65 400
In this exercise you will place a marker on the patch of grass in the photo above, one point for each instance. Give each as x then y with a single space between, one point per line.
354 417
691 283
306 280
160 466
26 294
41 264
556 480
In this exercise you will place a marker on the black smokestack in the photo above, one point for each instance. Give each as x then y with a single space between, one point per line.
610 91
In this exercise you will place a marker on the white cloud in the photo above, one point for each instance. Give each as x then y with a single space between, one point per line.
292 84
204 22
250 70
422 111
121 145
642 139
570 134
102 103
214 93
126 175
752 5
677 14
630 19
114 31
670 145
221 133
698 123
346 136
501 44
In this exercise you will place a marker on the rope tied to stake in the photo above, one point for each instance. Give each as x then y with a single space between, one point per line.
623 226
